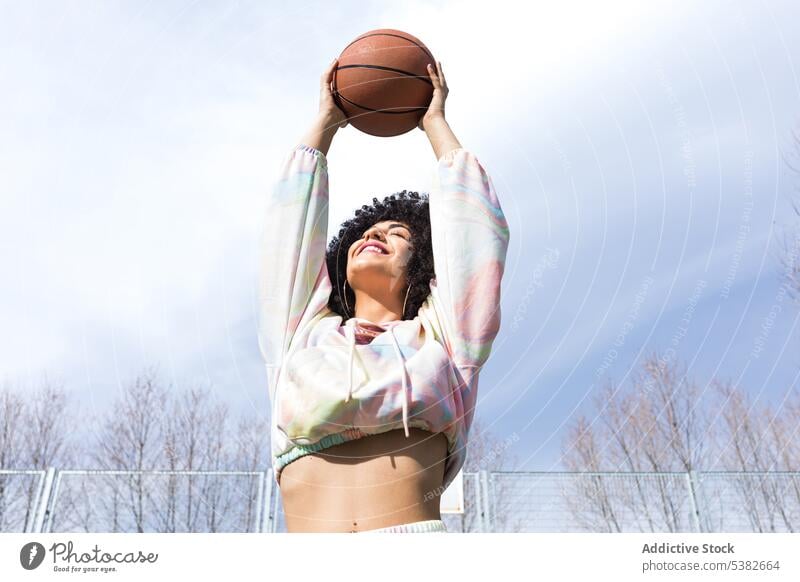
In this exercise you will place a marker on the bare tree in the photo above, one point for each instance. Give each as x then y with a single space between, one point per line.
756 441
252 453
132 439
592 503
48 426
11 456
47 430
785 434
35 433
218 493
148 427
185 433
11 421
657 427
198 437
186 429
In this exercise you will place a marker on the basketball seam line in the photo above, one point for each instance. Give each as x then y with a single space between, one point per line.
381 67
378 110
420 47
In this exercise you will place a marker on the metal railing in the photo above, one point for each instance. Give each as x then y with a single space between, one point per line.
60 500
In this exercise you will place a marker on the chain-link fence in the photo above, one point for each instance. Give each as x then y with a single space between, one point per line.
60 500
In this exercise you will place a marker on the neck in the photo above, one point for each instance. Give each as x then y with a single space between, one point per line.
376 309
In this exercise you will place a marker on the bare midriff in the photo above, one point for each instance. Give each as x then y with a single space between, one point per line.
368 483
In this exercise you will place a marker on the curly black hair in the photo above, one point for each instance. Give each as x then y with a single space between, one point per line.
405 206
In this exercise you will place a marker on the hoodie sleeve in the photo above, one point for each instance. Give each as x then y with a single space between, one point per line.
470 238
293 276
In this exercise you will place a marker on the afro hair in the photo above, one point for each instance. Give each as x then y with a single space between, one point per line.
405 206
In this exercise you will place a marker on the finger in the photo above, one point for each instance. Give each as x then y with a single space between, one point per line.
432 74
327 76
439 71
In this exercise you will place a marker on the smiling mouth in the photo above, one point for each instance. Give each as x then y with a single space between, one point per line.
369 249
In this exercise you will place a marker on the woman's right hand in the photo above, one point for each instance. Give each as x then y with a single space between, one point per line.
328 110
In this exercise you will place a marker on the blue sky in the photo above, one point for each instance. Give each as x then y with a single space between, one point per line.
635 147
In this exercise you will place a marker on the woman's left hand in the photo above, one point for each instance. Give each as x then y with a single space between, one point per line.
440 91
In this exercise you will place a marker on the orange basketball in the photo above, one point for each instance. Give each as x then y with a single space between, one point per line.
381 82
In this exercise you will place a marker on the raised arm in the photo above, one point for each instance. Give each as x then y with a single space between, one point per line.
329 119
470 238
433 123
293 278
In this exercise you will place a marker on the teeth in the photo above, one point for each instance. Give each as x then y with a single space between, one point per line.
373 250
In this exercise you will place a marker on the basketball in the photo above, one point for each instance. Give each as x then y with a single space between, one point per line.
382 83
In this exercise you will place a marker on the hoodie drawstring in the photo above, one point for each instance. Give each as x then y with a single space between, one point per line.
351 335
405 383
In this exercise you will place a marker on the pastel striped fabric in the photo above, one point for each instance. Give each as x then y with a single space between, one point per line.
308 349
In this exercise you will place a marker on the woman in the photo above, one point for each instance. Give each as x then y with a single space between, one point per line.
373 355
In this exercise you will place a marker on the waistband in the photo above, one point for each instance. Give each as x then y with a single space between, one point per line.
425 526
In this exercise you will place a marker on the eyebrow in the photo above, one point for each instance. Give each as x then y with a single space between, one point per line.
394 224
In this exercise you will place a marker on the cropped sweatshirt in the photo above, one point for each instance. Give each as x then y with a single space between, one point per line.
332 381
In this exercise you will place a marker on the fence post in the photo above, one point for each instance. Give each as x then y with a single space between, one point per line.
478 502
276 503
257 526
486 511
43 501
268 519
691 480
30 518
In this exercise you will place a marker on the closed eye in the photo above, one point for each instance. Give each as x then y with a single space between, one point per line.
397 234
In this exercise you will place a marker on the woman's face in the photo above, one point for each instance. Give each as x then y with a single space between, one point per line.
371 270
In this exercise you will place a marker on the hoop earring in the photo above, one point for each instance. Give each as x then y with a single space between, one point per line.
345 296
402 315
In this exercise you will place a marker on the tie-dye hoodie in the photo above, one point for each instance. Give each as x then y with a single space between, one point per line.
325 386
